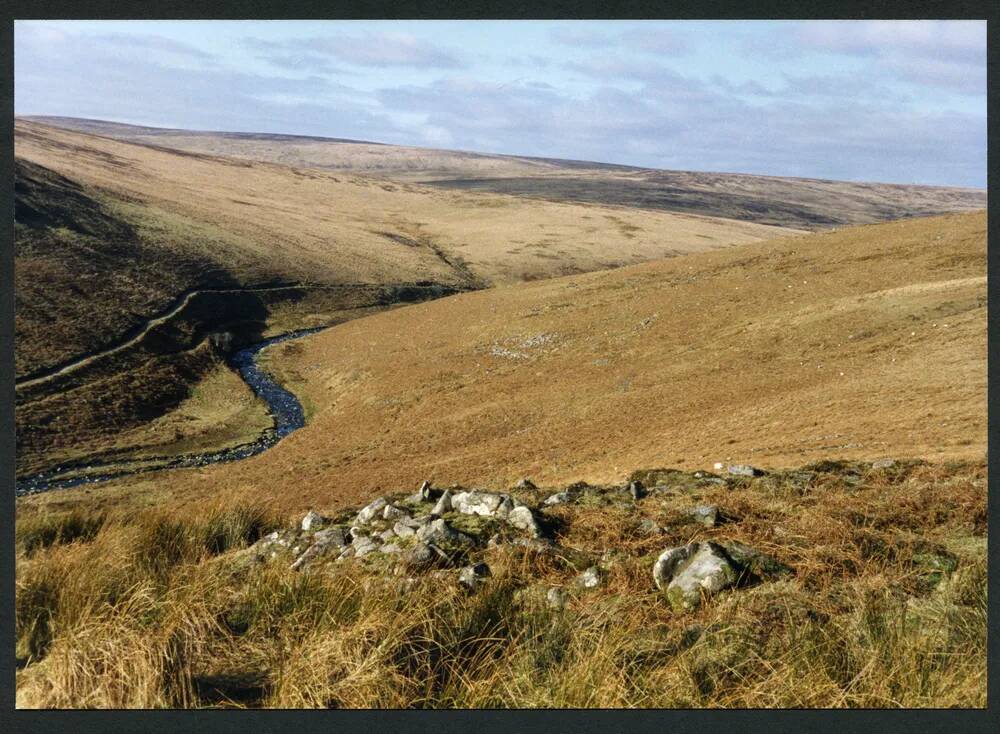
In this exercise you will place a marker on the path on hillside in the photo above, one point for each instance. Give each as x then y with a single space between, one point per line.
136 333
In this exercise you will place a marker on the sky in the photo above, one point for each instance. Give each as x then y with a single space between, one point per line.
887 101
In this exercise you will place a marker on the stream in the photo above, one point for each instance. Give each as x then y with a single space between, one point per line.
284 407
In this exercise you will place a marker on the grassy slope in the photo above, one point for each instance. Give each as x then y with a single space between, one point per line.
110 233
795 202
859 343
313 225
885 607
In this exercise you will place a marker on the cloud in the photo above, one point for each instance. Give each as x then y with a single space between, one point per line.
659 41
69 74
378 50
146 43
679 123
653 39
581 38
957 41
948 55
616 107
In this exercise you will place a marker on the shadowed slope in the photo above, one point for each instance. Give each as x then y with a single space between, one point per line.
859 343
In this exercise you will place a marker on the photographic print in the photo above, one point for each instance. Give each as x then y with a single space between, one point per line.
495 364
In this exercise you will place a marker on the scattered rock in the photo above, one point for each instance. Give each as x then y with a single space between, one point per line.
637 490
371 511
333 537
559 498
525 484
425 491
391 512
556 598
472 576
313 520
439 531
688 572
745 470
421 556
707 515
443 504
363 546
403 530
523 518
476 503
884 464
387 535
589 579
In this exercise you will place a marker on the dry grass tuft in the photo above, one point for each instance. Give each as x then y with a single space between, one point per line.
159 610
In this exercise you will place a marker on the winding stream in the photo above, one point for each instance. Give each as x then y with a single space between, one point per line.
284 407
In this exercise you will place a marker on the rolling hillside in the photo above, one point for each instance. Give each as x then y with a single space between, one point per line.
792 202
861 343
112 237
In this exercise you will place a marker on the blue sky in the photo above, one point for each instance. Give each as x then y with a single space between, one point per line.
894 101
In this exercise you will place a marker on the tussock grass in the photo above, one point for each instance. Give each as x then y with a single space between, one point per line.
156 610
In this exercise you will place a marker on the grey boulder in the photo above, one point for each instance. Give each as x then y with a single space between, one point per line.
688 572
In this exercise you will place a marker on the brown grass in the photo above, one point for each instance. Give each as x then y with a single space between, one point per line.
163 610
710 357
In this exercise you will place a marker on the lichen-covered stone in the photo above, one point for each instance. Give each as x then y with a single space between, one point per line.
313 520
371 511
443 504
689 572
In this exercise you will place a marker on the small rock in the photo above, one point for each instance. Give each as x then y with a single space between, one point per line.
525 484
476 503
707 515
313 520
387 535
744 470
443 504
440 531
425 491
332 536
559 498
391 548
589 579
719 466
391 512
556 598
503 510
420 556
369 513
523 518
363 546
884 464
472 576
689 571
403 530
636 490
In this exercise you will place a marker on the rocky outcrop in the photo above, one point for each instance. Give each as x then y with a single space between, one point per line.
436 529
